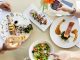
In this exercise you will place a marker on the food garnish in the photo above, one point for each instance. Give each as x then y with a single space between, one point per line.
41 51
24 29
75 31
38 17
57 30
67 32
28 28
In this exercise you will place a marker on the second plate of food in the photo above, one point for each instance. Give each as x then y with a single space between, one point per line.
15 30
65 32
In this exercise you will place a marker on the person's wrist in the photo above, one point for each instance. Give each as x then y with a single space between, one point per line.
72 11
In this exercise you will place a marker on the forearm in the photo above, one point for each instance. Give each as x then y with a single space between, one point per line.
72 11
69 55
75 13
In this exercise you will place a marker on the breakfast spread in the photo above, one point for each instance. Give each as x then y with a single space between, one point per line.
15 30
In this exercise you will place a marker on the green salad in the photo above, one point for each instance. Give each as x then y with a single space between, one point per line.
41 51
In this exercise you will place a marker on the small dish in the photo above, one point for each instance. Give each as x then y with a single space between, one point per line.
36 43
44 17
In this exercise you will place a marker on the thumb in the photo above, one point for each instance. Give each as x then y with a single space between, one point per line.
59 9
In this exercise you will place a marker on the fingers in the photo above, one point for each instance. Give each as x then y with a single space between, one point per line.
59 9
5 6
8 7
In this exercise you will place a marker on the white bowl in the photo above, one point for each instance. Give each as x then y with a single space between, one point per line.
34 44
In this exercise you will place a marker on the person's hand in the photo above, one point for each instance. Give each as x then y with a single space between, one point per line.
68 55
5 6
64 55
65 9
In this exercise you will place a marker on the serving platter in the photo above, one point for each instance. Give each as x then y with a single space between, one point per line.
43 15
57 38
20 22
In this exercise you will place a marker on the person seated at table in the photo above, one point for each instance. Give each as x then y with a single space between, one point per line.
72 11
5 6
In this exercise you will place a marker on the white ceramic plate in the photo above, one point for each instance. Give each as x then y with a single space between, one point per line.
15 17
57 39
38 42
78 44
26 13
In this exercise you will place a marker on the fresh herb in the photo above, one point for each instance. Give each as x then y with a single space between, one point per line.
62 36
28 28
24 29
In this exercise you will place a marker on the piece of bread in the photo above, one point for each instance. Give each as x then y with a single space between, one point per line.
13 41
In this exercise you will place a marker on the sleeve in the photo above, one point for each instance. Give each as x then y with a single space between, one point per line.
2 0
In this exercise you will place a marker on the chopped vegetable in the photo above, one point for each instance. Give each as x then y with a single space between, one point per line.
26 29
41 51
